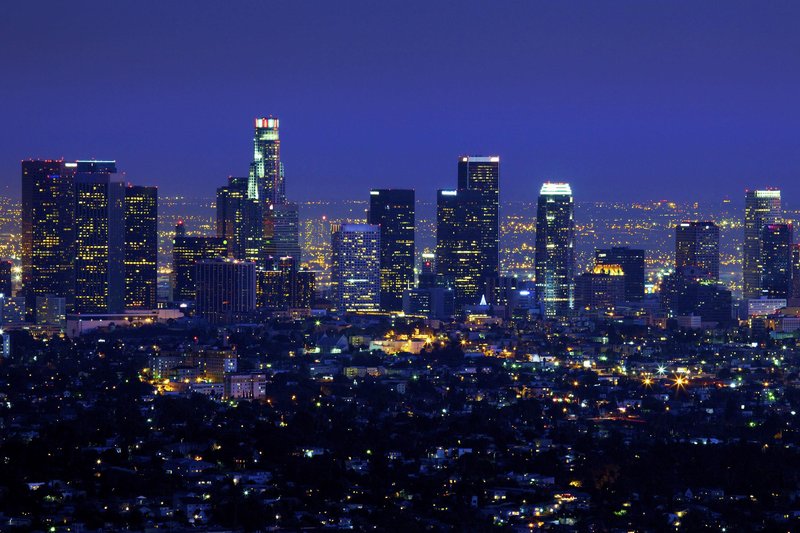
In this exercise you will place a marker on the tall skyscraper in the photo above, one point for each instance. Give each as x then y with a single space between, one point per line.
393 211
482 174
697 245
186 252
240 220
99 238
48 231
796 271
141 246
226 290
285 231
458 244
761 207
555 249
776 261
632 262
355 267
266 175
602 289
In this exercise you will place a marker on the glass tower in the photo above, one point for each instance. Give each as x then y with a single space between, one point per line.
760 208
266 175
393 211
632 262
239 220
99 239
482 174
697 245
355 267
186 252
555 249
458 244
776 261
141 247
48 231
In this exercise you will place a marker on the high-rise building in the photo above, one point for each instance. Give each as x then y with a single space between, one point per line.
555 248
286 287
689 292
48 231
186 252
761 207
141 247
632 262
482 174
458 244
697 245
393 211
6 277
602 289
99 238
266 175
355 267
796 271
226 290
240 220
285 231
776 261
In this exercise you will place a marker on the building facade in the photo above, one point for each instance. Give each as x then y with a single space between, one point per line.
776 261
141 247
226 290
761 207
697 245
355 267
632 262
555 249
393 211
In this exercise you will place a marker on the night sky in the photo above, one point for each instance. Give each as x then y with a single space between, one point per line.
630 100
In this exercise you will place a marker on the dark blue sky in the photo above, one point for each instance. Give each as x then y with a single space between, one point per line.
626 100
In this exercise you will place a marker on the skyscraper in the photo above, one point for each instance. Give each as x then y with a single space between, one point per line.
266 176
776 261
697 245
48 231
186 252
555 248
226 290
240 220
796 271
632 262
458 244
285 231
141 246
482 174
99 238
393 211
761 207
355 267
602 289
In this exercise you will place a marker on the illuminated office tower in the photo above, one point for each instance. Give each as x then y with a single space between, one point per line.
393 211
48 231
482 174
186 252
226 290
697 245
760 208
99 239
602 289
141 246
6 278
776 261
285 231
632 262
555 249
458 244
240 220
355 267
266 175
796 271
